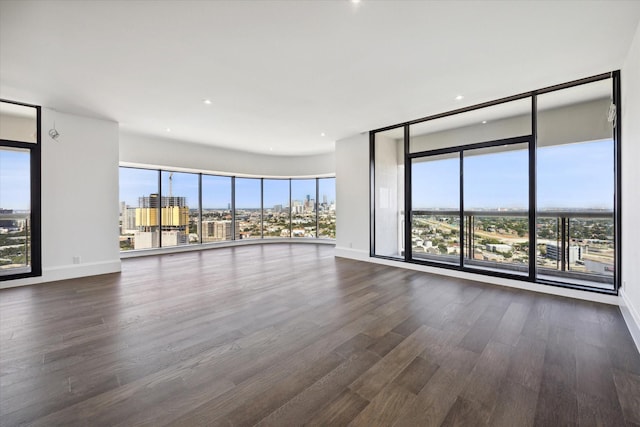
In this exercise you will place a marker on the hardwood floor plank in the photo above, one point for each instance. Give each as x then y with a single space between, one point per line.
628 392
309 401
516 406
510 327
435 399
369 384
340 411
594 378
383 345
465 413
557 399
485 380
414 377
527 361
482 330
385 408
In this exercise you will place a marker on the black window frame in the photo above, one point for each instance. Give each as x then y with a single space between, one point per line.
532 214
35 164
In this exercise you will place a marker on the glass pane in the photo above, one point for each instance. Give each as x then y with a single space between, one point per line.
276 208
575 188
139 204
389 193
180 208
216 209
18 123
327 208
248 208
15 211
435 208
303 208
496 208
501 121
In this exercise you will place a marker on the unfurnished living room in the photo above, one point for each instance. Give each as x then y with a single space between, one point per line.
323 213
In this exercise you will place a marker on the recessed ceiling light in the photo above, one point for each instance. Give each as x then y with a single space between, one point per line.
355 1
484 122
459 97
270 148
168 129
322 134
206 101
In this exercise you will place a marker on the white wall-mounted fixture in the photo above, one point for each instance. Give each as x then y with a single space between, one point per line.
53 133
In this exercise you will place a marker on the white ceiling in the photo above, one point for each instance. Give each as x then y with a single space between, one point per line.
280 73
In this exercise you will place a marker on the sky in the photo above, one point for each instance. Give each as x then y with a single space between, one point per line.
569 176
14 180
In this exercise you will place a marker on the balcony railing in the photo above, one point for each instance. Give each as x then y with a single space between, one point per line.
572 246
15 242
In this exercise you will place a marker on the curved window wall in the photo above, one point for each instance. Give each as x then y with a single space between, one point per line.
162 208
523 187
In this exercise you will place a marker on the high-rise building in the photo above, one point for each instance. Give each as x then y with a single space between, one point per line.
554 253
128 220
173 221
215 231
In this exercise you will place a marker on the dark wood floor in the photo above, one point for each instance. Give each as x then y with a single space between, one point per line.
286 334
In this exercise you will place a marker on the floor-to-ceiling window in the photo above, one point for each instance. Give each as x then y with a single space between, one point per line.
523 187
248 208
217 213
327 208
435 208
576 186
388 226
180 208
163 208
19 190
139 209
303 208
276 212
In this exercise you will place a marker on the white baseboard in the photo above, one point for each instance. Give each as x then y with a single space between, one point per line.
231 243
631 317
63 272
553 290
352 253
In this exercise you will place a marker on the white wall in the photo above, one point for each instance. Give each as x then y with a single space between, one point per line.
585 121
630 76
145 151
352 196
79 198
387 232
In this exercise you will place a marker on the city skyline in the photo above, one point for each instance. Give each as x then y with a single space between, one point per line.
216 192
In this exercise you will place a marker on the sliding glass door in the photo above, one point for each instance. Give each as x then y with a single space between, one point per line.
496 208
482 189
435 208
526 187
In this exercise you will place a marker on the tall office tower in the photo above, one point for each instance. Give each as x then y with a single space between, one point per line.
128 220
154 214
215 231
